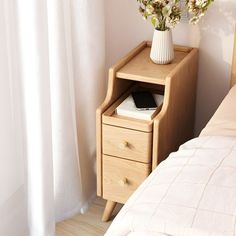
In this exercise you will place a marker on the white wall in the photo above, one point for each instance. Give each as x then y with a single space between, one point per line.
125 28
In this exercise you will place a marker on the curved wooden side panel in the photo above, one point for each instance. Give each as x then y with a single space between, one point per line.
116 87
233 77
175 123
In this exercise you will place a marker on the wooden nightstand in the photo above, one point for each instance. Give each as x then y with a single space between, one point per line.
129 149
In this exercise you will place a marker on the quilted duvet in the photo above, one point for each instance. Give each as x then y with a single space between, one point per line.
191 193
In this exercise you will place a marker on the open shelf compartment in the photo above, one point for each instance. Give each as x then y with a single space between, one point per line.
110 117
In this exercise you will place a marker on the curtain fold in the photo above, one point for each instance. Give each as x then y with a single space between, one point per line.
67 179
59 57
88 43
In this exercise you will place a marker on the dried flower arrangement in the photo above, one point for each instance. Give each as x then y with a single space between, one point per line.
165 14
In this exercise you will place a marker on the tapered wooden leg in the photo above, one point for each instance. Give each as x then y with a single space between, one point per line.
110 206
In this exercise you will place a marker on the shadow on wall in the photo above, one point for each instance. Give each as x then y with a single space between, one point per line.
216 32
223 20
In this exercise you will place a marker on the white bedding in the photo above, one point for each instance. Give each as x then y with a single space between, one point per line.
223 122
191 193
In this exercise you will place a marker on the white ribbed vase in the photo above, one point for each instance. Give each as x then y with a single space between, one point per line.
162 51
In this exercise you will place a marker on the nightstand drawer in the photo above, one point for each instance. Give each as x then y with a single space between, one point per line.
122 177
126 143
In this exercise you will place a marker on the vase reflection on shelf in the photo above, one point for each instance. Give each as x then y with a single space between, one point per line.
162 51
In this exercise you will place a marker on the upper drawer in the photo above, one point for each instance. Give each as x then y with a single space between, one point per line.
126 143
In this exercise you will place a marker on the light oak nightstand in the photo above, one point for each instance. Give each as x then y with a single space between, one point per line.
129 149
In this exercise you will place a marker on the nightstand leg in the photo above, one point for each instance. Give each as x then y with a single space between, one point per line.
110 206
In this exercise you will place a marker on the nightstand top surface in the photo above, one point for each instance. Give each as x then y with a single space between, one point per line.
141 68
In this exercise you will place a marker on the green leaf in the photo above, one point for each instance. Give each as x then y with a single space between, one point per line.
154 21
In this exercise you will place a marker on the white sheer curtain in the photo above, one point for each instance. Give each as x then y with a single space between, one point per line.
51 81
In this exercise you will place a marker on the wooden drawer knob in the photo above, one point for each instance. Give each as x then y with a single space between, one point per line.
123 145
124 182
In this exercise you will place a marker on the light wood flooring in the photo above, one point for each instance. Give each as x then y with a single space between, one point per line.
88 224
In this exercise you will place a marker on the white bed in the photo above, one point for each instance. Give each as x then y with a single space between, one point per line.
192 192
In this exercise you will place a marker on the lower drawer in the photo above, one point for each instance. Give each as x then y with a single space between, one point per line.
121 177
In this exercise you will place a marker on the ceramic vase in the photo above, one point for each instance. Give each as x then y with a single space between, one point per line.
162 51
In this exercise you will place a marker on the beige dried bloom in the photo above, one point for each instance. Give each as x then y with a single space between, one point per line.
197 9
166 14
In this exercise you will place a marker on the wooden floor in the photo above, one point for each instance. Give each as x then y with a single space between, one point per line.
88 224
